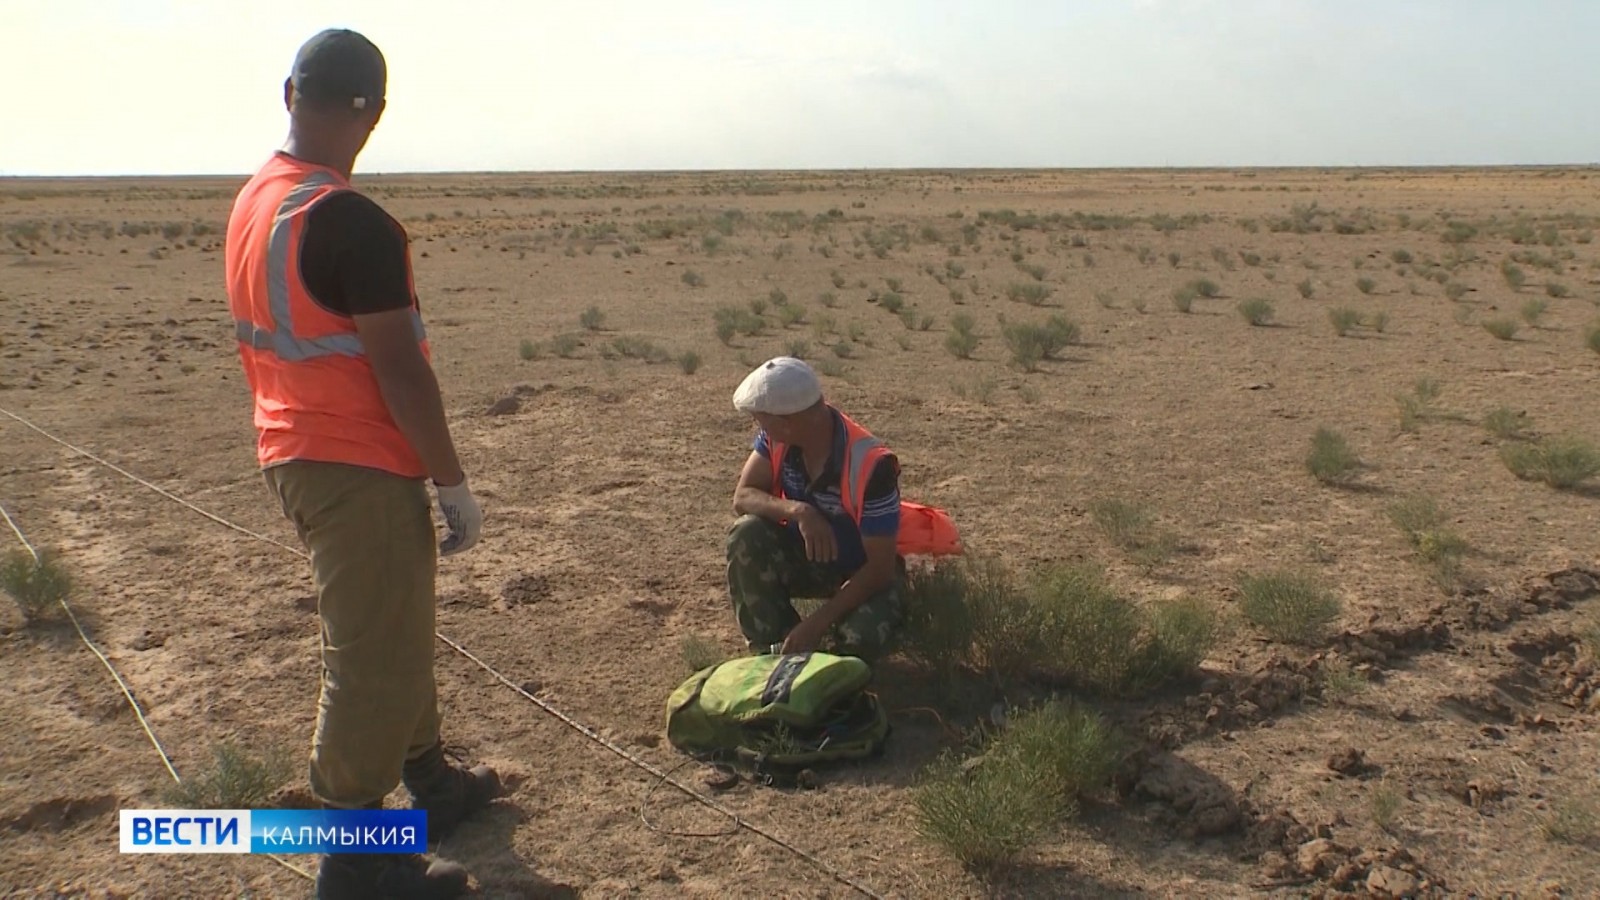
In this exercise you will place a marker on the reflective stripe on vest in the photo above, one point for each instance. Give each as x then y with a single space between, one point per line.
280 339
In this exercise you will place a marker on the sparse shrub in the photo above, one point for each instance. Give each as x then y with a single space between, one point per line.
828 299
1562 462
1344 320
961 341
1507 424
1183 298
36 586
1331 461
1037 273
700 652
1250 259
1513 275
1502 328
799 349
1029 344
893 283
1366 285
565 345
908 318
1305 288
843 349
1256 310
1401 256
1067 744
1133 528
1420 519
1287 606
1574 820
592 319
1206 288
236 779
689 362
1385 805
1533 310
1105 299
1557 290
528 350
693 279
1173 258
1591 337
758 306
1182 634
791 314
892 302
1455 290
986 814
777 297
1378 321
1032 294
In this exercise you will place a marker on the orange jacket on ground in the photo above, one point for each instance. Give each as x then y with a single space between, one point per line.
316 397
924 530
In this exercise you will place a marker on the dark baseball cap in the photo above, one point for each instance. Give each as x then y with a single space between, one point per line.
340 66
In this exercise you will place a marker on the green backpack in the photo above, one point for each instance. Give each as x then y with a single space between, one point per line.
779 714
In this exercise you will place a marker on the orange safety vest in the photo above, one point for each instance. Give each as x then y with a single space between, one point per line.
924 530
316 397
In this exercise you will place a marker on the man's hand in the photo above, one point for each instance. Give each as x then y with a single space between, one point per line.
818 533
462 517
805 637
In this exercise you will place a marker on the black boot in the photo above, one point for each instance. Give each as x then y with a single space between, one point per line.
447 791
388 876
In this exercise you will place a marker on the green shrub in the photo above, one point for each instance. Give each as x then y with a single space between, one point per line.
1034 294
236 779
986 814
1504 329
1257 311
37 587
1562 462
1183 298
1344 320
1287 606
1331 461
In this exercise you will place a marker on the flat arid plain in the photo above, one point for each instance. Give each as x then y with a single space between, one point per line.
1438 736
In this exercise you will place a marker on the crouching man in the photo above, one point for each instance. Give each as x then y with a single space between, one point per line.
818 506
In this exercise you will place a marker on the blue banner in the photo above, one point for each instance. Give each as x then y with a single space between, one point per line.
338 831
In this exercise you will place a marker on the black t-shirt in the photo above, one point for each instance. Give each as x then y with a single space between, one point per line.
353 256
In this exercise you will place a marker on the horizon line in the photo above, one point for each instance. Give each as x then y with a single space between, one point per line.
414 173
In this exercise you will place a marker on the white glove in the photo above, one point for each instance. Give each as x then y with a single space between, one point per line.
462 517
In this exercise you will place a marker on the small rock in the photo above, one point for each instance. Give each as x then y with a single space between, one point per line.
1389 882
505 406
145 641
1316 856
1275 865
533 686
807 780
1348 761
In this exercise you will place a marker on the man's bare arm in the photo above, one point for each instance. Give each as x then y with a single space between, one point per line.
410 390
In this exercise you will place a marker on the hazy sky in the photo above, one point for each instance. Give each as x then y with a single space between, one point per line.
164 86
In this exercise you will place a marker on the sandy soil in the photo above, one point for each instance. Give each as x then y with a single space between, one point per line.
607 491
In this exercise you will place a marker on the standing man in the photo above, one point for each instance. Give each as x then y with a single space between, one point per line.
351 425
819 508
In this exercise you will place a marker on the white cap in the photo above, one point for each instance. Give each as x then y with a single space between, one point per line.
781 386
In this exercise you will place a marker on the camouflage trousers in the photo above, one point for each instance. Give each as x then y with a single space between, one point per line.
768 569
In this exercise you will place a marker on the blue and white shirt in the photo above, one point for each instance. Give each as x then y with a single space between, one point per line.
880 509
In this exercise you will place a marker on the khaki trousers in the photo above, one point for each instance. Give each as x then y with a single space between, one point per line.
373 558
